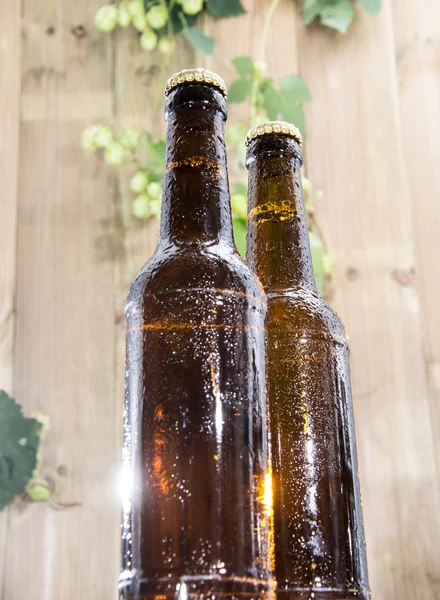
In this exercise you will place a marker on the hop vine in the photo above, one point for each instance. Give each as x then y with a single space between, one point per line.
157 25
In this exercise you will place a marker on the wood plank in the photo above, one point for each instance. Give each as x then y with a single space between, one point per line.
417 51
10 64
64 335
354 154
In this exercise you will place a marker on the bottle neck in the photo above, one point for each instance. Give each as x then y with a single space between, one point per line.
278 248
196 205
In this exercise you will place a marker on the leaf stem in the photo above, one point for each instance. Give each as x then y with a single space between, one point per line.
266 26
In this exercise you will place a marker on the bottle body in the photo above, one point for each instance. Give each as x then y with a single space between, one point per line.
319 536
318 528
195 445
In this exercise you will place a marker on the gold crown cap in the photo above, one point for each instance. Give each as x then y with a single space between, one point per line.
196 75
277 127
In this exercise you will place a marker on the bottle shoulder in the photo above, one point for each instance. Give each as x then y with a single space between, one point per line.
176 269
304 310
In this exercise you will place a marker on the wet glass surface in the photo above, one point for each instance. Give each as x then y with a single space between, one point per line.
195 516
318 528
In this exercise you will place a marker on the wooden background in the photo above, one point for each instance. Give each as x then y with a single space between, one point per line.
69 249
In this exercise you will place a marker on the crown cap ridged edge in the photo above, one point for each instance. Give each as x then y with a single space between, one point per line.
196 76
277 127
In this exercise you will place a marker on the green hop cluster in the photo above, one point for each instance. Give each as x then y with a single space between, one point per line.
101 136
148 40
38 490
96 136
157 16
191 7
129 137
136 8
146 22
124 16
106 18
114 154
148 201
166 45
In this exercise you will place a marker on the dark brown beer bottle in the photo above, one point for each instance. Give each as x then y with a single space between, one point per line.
318 529
195 516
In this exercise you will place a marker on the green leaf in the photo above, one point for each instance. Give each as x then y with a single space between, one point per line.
225 8
294 89
239 90
19 441
293 113
371 6
240 229
160 148
244 65
338 16
195 36
319 262
240 188
156 151
310 10
272 102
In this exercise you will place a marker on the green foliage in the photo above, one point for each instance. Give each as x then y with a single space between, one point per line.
195 36
239 225
172 17
239 90
178 20
192 7
371 6
336 14
106 18
283 100
155 164
38 490
244 65
267 100
225 8
19 441
271 100
159 23
157 16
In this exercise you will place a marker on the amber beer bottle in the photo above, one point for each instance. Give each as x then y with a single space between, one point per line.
195 514
318 529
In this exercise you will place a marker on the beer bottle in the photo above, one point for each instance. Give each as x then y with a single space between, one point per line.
318 528
195 511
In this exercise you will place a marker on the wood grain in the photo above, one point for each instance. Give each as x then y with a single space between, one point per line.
10 65
415 27
355 154
373 149
65 332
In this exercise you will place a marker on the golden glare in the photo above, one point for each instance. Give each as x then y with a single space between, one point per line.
267 498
